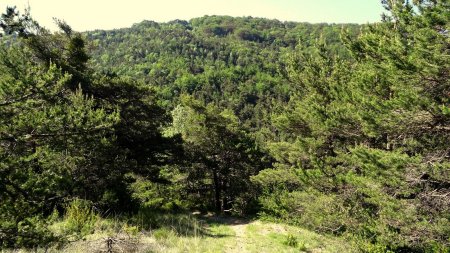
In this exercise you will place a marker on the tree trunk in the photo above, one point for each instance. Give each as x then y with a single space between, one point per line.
217 191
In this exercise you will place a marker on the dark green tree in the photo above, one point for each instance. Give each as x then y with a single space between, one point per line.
48 133
221 156
68 132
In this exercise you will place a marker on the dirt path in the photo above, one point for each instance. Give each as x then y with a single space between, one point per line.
241 238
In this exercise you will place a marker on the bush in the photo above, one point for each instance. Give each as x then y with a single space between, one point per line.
311 209
291 240
30 232
80 218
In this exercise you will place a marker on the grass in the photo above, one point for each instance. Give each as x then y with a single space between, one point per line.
217 239
273 237
236 235
185 233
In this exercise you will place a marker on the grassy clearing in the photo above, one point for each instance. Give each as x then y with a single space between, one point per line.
272 237
183 233
217 239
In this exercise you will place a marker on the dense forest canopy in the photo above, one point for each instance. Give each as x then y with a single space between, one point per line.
215 57
343 129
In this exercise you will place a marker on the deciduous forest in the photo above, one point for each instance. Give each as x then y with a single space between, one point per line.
341 130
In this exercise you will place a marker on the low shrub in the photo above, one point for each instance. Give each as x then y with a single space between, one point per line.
291 240
80 218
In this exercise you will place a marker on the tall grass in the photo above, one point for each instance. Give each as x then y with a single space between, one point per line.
181 224
80 218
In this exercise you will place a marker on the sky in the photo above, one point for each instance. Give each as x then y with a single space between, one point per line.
85 15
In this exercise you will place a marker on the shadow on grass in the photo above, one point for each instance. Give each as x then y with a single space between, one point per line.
219 220
188 225
225 220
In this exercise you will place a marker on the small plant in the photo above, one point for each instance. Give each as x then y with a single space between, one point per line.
54 216
302 246
291 240
131 231
80 217
162 233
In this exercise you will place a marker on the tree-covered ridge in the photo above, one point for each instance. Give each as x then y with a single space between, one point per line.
213 58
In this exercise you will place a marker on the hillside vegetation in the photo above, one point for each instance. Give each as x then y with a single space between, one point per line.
238 64
342 130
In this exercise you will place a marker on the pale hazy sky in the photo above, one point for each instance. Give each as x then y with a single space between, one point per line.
107 14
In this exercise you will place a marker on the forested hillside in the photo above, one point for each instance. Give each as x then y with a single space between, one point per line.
341 129
234 63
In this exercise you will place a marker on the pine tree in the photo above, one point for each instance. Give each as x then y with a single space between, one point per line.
402 87
68 132
221 156
47 133
368 138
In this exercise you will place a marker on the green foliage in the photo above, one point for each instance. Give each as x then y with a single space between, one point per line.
67 132
162 233
358 130
179 224
366 137
234 63
291 240
222 155
42 127
163 196
31 231
80 218
311 209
